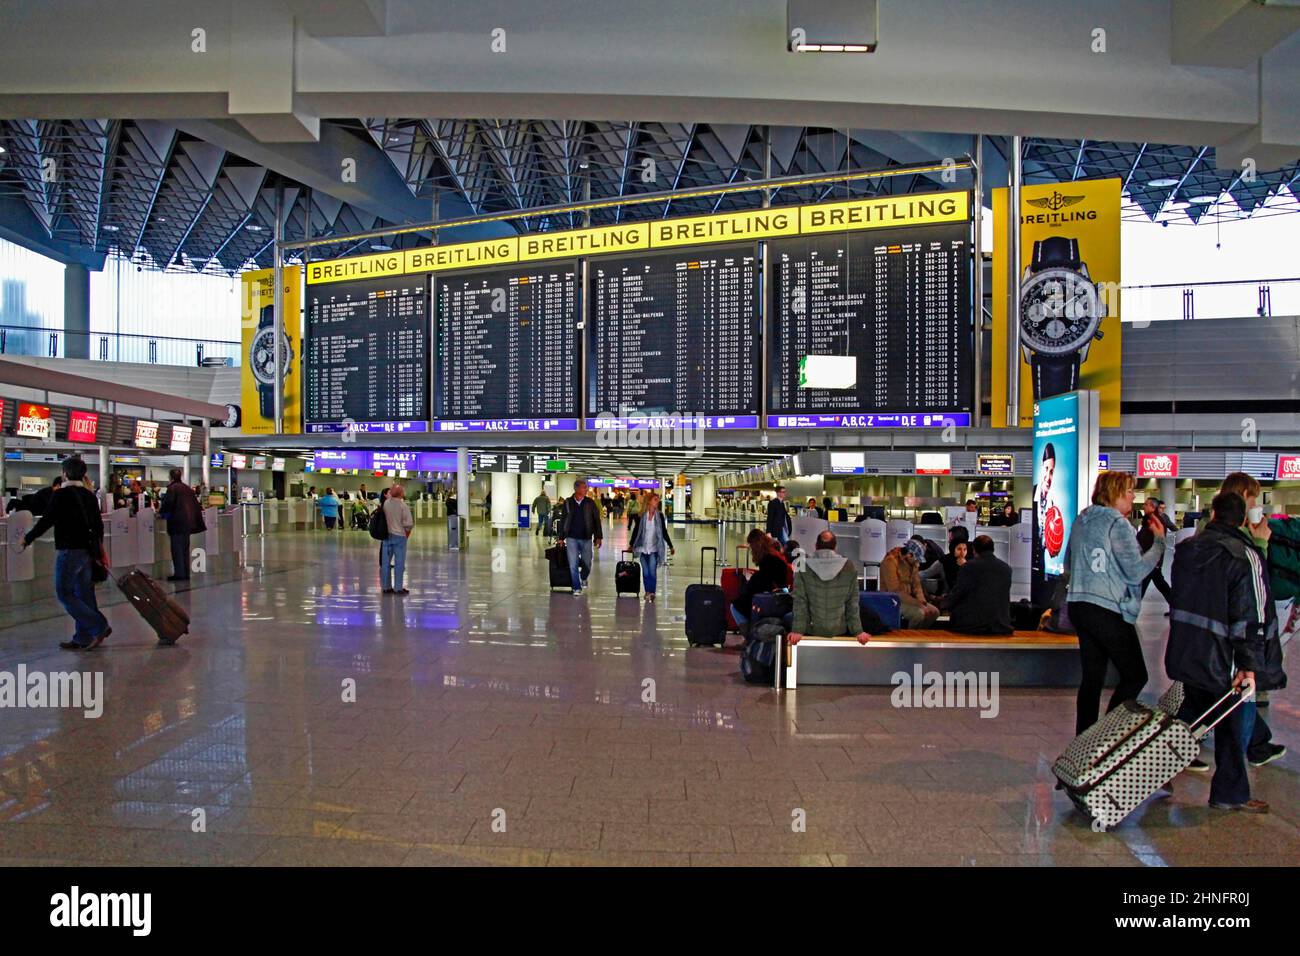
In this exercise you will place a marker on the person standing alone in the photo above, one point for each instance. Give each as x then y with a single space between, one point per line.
778 517
180 508
542 509
649 541
73 512
579 530
392 553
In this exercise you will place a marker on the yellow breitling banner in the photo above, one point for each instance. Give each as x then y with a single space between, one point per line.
1069 318
257 332
748 226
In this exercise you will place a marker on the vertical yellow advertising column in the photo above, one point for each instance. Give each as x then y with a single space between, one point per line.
1069 275
258 336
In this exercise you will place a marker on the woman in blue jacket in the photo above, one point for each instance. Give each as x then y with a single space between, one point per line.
1106 569
329 508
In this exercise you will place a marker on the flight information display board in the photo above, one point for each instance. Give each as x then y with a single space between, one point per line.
508 354
872 329
675 339
367 355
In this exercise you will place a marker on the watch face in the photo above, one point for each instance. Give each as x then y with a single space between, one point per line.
232 417
1059 312
261 356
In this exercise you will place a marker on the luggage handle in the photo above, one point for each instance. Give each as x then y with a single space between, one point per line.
1200 732
627 551
715 560
740 548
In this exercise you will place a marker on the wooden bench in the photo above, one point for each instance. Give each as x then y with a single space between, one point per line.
1022 659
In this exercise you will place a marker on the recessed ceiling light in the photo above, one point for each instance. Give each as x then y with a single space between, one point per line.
253 227
1178 204
1204 200
109 228
1162 183
2 150
380 247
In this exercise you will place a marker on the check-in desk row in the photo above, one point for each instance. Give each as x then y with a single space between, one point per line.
132 541
303 514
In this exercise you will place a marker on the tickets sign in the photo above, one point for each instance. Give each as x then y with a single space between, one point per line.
181 437
83 426
146 434
1157 465
34 421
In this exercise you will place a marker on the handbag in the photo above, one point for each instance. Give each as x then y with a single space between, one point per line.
99 563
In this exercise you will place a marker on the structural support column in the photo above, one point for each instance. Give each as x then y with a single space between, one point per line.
185 468
3 486
564 484
462 490
977 419
530 486
704 494
1168 491
207 459
279 309
505 501
76 311
103 476
1014 176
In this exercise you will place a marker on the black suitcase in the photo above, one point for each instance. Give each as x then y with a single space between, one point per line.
557 558
627 578
1026 616
706 610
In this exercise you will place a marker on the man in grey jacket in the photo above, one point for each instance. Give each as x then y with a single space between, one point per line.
826 595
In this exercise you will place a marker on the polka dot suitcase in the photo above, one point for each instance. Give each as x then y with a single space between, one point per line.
1133 751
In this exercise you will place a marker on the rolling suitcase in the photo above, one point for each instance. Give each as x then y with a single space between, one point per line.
732 580
557 559
627 578
168 619
1133 751
706 610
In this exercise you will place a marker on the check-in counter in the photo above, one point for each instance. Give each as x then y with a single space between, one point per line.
295 514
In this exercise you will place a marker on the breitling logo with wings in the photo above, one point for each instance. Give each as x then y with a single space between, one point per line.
1055 201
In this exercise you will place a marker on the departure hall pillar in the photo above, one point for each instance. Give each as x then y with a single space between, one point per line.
704 494
505 501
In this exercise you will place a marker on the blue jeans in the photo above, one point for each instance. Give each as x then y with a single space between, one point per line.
650 570
578 549
76 592
392 561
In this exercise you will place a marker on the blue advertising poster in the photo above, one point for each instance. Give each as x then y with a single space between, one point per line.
1056 480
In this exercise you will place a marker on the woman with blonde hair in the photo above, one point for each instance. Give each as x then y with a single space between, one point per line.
650 543
1106 569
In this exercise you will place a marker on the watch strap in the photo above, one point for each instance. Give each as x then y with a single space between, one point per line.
1055 252
1054 374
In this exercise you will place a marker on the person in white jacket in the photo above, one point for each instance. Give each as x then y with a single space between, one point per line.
392 553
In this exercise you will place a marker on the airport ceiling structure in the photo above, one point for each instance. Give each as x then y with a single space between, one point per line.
171 200
165 131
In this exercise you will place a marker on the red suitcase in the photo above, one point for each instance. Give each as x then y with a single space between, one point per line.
168 619
732 581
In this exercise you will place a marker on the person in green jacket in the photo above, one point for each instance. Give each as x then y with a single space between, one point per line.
826 595
542 509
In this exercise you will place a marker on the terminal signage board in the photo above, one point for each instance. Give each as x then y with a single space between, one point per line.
181 437
995 465
508 425
956 419
258 463
1288 468
238 462
1157 465
218 460
503 463
848 463
34 421
83 426
933 463
146 434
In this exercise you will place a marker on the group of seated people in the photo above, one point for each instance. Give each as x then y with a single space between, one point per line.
970 583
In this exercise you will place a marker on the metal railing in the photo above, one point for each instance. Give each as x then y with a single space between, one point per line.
1223 299
118 346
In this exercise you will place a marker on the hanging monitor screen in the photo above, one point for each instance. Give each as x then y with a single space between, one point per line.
872 329
675 338
367 361
508 352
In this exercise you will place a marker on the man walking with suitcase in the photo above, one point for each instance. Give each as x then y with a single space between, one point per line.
180 508
1220 622
579 530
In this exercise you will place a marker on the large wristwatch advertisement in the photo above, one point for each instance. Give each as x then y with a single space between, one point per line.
1060 315
261 359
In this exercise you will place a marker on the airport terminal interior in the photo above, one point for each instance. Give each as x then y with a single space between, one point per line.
542 435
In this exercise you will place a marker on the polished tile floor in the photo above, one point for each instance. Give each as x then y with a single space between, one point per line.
495 722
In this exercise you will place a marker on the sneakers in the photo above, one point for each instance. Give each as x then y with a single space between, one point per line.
1198 766
73 646
577 592
1250 806
1274 752
401 591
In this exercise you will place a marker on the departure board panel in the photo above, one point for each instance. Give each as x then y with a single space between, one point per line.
508 353
367 355
675 338
872 329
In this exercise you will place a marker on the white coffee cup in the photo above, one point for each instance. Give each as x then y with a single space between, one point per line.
1255 515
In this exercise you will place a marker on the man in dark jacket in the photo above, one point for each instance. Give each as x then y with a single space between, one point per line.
980 603
37 501
180 507
778 517
579 530
73 512
1221 628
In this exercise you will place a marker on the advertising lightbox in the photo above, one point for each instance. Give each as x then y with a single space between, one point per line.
1065 467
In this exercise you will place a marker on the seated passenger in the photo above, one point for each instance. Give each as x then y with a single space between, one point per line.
770 574
981 601
826 595
900 573
941 577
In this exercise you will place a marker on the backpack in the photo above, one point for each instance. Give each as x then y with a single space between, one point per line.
758 657
378 526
